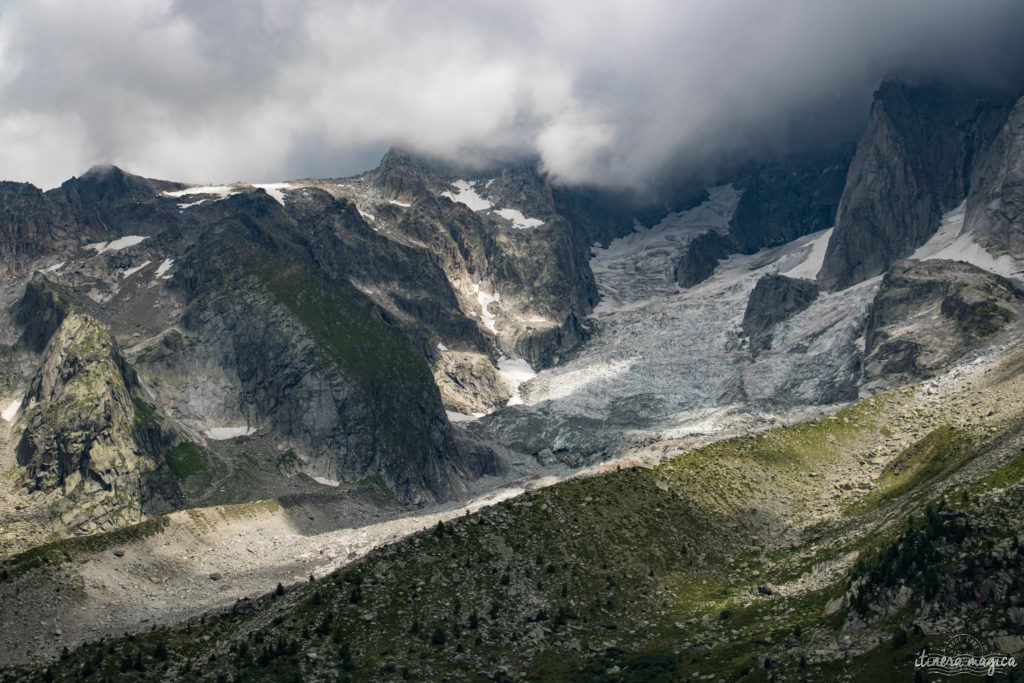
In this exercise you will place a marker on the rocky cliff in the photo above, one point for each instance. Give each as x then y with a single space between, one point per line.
270 339
88 437
789 198
995 205
914 161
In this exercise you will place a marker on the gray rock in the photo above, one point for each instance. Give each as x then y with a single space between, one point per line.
86 433
774 299
994 206
913 161
927 314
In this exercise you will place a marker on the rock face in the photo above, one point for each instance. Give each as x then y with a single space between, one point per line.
701 258
913 162
788 199
929 313
780 201
774 298
41 310
88 436
599 215
995 205
272 339
536 278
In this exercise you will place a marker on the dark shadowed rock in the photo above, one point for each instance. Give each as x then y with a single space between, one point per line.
774 299
40 311
701 257
789 198
779 201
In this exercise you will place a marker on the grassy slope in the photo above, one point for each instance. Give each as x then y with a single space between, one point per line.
718 561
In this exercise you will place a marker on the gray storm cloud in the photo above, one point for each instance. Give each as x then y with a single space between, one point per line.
606 92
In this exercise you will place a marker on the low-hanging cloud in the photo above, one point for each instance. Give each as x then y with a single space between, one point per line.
599 91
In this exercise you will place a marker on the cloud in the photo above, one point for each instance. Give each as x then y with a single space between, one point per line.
600 91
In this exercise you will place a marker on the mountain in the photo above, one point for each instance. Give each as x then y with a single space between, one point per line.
434 421
915 161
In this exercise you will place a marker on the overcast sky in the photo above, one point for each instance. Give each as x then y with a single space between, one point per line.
600 91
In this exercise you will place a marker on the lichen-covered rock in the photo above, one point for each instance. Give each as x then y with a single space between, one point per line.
86 432
470 383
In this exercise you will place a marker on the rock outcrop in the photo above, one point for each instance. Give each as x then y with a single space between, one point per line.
273 340
40 311
995 205
701 257
89 439
774 299
929 313
913 162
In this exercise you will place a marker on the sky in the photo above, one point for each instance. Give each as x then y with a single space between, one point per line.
601 92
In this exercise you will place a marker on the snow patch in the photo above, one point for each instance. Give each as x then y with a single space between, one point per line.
116 245
815 248
949 242
164 267
462 417
368 216
54 268
275 190
222 191
223 433
441 347
131 271
404 205
465 194
518 219
11 410
485 300
325 481
515 371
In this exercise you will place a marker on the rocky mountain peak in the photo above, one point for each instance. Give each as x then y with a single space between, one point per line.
913 162
82 421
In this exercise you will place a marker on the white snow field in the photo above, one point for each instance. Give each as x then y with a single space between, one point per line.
465 194
224 433
118 244
519 221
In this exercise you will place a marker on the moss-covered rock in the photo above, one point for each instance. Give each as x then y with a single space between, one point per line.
86 432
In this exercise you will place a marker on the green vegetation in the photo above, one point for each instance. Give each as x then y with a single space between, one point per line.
650 574
938 453
185 460
81 547
144 412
